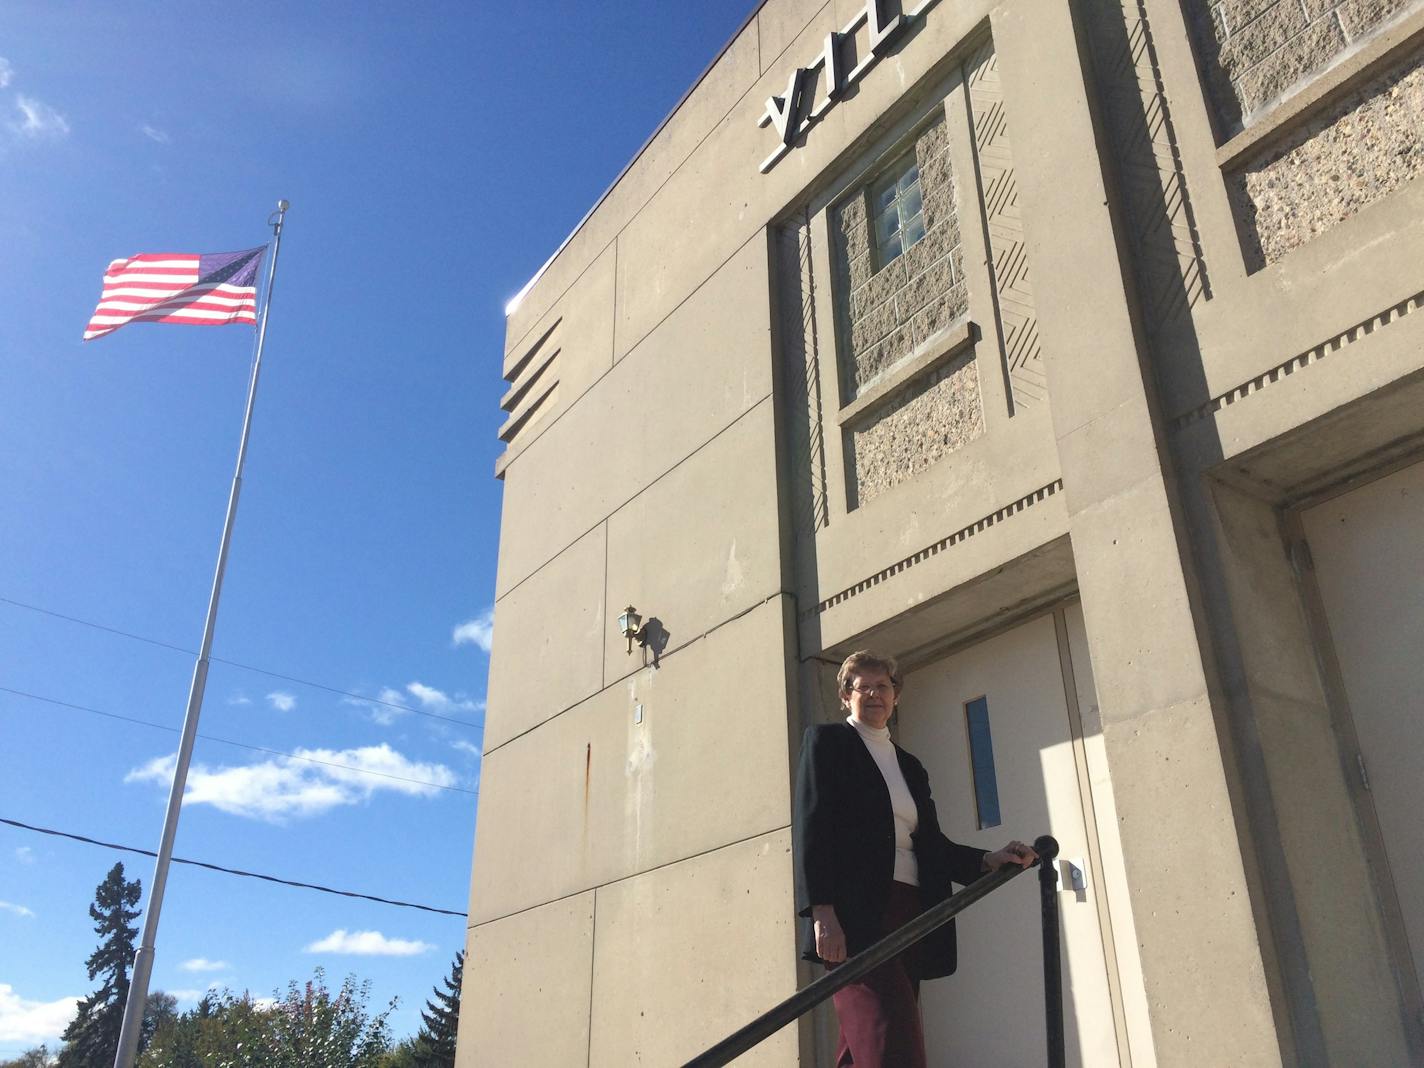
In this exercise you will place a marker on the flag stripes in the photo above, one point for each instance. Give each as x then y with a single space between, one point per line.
202 290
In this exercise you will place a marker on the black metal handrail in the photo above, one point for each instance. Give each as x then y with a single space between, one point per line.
897 941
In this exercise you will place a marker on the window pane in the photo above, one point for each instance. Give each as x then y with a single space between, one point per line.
981 759
913 230
886 227
910 202
895 198
883 197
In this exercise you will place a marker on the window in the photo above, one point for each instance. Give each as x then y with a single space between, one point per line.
981 761
896 210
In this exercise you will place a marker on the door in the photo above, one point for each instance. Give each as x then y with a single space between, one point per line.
992 725
1368 549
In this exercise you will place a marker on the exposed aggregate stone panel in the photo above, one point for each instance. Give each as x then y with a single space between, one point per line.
1351 155
931 418
1255 51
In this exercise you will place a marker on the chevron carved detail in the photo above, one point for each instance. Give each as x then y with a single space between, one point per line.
1171 270
999 193
800 350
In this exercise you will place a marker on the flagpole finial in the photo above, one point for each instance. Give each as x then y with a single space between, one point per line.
283 205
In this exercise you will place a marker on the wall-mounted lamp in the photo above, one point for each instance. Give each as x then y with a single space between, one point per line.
630 626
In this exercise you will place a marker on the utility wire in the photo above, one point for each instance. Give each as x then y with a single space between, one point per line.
231 871
227 741
233 663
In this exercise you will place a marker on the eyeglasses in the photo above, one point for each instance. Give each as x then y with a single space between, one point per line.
880 689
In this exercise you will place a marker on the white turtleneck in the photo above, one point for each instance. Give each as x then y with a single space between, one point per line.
907 814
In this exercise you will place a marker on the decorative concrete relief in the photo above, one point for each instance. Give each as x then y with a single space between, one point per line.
1171 269
887 311
931 417
1337 162
532 394
796 309
998 190
1008 511
1255 51
1328 347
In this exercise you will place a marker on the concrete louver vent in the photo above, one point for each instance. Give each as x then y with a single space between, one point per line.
533 385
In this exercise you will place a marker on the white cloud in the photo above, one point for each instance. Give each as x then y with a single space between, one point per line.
380 709
18 910
478 631
187 996
427 698
7 72
282 702
202 964
467 747
439 701
25 855
239 699
282 788
155 134
368 944
28 1022
37 119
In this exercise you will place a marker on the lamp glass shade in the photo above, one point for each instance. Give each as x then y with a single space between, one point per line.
628 622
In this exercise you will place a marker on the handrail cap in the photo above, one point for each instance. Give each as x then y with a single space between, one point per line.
1046 846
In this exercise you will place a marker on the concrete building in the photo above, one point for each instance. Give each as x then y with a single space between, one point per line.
1070 350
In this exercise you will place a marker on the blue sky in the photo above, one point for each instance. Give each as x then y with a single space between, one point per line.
434 154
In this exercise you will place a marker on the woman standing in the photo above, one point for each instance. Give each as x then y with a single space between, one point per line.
870 857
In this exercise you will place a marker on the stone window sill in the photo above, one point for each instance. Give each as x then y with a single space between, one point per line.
933 354
1369 60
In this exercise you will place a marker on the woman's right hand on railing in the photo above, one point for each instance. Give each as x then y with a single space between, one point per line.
830 939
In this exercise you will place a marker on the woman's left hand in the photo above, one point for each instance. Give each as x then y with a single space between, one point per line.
1013 853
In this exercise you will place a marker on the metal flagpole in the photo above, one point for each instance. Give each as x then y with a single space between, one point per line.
143 959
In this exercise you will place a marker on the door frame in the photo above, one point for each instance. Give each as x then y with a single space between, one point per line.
1131 1023
1405 969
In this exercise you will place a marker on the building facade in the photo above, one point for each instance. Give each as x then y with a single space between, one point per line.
1067 350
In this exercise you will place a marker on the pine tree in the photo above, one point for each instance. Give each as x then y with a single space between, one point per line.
92 1037
435 1045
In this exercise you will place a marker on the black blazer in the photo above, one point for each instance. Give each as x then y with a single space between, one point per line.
845 844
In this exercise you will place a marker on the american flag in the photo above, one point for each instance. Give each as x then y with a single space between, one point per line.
204 290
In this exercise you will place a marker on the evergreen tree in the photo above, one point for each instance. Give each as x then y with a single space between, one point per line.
92 1037
435 1045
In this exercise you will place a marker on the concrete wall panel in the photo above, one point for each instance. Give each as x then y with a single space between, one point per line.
526 988
709 363
586 332
599 796
686 954
556 617
701 544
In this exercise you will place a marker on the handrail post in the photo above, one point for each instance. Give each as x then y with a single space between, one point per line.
1047 850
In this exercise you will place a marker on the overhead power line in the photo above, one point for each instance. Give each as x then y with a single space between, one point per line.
233 663
231 871
228 741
